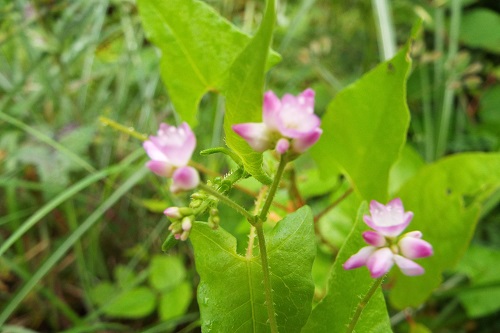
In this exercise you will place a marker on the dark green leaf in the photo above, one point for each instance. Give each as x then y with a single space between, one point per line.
483 296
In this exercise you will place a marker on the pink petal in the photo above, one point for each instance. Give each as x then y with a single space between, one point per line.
414 234
396 204
185 178
177 143
294 122
153 151
374 238
270 109
359 259
390 220
414 248
163 169
380 262
282 146
306 98
408 267
255 134
299 145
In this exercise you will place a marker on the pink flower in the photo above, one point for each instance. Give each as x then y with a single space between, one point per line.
170 152
289 123
386 247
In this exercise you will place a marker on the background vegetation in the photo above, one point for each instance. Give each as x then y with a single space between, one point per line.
80 220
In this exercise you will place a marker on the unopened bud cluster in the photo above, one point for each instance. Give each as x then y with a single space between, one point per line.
182 221
213 219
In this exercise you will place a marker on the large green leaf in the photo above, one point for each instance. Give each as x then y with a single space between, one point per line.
365 128
198 47
231 293
446 199
346 290
245 90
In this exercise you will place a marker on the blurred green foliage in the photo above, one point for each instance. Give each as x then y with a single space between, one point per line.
65 63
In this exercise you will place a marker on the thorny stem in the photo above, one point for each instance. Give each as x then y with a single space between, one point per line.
274 187
227 201
124 129
251 236
267 279
362 304
262 244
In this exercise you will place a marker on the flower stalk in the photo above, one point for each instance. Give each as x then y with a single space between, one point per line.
274 187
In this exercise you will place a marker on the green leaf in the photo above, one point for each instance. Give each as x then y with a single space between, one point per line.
481 266
245 90
175 302
124 276
345 292
406 167
169 242
481 28
365 128
166 273
446 199
135 303
291 251
198 47
103 292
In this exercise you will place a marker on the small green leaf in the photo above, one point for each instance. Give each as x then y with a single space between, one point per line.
481 28
135 303
175 302
245 90
166 273
365 128
103 292
198 47
291 251
345 292
169 242
124 276
446 199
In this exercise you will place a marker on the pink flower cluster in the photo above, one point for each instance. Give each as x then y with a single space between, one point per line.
385 245
170 152
288 124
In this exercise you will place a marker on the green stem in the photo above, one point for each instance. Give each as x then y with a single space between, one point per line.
274 187
362 304
267 279
227 201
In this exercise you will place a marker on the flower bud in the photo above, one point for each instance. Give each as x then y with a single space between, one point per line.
173 212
